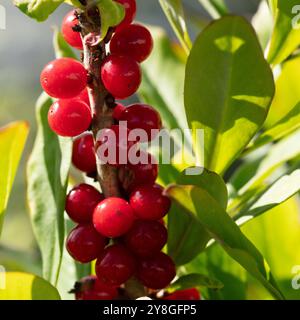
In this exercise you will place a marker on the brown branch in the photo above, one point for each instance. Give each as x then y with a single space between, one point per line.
93 54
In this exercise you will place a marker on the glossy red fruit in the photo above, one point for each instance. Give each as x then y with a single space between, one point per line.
64 78
148 202
156 272
83 156
113 145
81 202
72 37
187 294
90 288
130 12
84 96
121 76
70 117
133 40
115 265
146 238
84 243
142 116
144 172
118 109
113 217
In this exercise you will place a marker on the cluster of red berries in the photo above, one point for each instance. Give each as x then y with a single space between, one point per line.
125 235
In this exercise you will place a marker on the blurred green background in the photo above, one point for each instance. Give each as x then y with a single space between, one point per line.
25 47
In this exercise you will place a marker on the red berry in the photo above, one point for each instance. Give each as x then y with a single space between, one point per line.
156 272
133 40
142 116
146 238
90 288
130 12
113 145
64 78
84 96
83 156
115 265
118 109
84 243
145 171
187 294
69 117
113 217
72 37
148 202
81 202
121 76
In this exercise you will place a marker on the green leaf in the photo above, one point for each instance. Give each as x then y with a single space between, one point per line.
263 173
196 280
12 142
277 235
272 195
61 47
273 6
47 173
223 229
187 237
38 9
287 125
216 8
173 10
262 22
25 286
111 12
219 265
228 89
285 38
19 260
287 94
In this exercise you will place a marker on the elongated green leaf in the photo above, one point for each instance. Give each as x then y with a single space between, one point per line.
187 237
215 262
272 195
277 235
286 33
287 94
273 5
216 8
286 126
263 171
47 173
262 22
277 155
173 10
111 12
38 9
228 90
222 228
12 142
61 47
19 260
25 286
196 280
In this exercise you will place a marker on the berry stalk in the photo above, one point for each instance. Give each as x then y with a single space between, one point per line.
101 101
